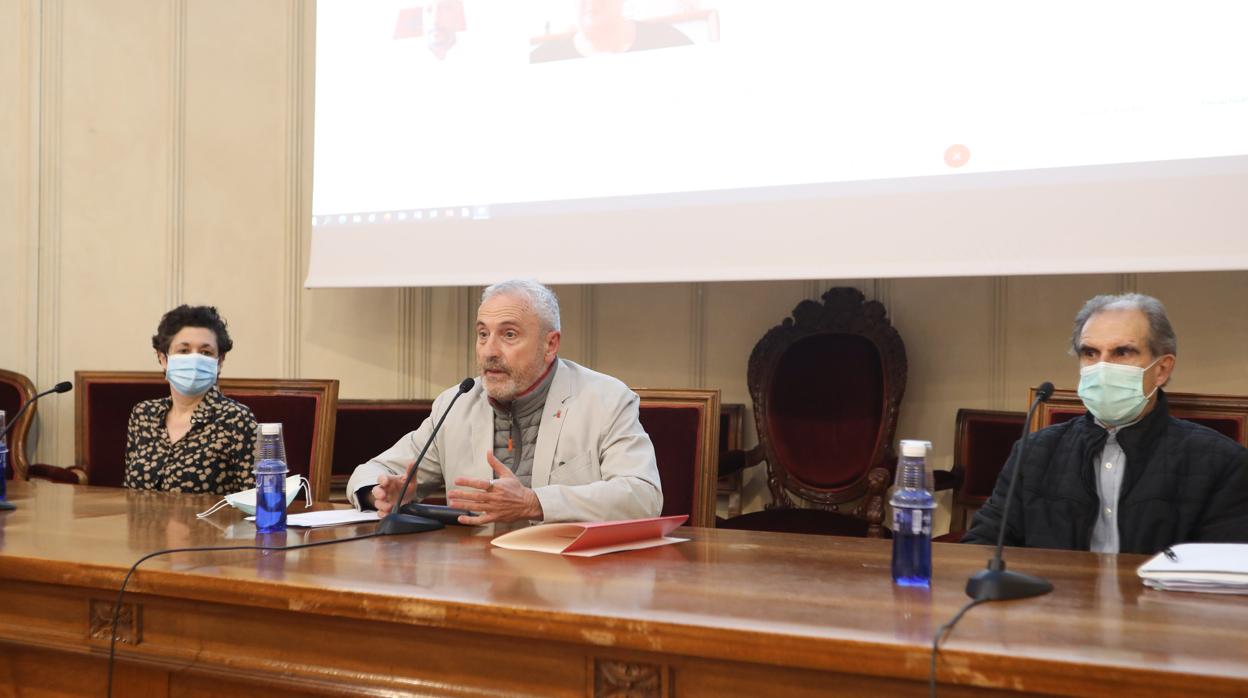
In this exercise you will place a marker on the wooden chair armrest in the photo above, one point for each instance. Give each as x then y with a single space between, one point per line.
948 479
736 460
71 475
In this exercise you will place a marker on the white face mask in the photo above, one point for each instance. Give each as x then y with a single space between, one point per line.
245 501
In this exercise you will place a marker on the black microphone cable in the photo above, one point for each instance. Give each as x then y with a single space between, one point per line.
112 640
941 632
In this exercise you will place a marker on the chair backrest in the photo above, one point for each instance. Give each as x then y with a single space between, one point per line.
827 385
16 390
103 400
368 427
731 425
981 445
684 427
1225 414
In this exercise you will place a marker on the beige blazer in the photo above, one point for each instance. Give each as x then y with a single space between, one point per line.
592 460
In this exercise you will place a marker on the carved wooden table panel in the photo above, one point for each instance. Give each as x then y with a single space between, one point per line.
445 613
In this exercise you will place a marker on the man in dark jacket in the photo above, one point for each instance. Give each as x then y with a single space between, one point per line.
1126 477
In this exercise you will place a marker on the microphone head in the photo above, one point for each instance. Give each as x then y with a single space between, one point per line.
1044 391
466 384
63 387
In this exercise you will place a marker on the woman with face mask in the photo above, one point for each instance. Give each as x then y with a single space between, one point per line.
195 440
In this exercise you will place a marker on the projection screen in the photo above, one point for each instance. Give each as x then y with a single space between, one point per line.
458 142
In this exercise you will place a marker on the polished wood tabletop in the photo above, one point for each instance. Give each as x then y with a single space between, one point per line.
816 603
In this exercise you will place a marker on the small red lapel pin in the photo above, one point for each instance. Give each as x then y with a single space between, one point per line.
557 413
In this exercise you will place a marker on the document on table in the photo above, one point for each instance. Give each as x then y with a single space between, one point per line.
1219 568
329 517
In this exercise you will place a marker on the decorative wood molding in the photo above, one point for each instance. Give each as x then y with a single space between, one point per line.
426 383
129 622
298 208
997 350
619 679
588 328
175 285
697 335
468 314
51 67
405 351
882 291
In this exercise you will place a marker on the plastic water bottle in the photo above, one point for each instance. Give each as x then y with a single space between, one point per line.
270 479
912 504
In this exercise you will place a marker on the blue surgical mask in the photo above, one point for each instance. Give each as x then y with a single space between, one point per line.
191 374
1114 393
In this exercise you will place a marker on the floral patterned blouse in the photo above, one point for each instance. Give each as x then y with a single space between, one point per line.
214 456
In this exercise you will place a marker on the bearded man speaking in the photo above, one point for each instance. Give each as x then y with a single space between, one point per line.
537 438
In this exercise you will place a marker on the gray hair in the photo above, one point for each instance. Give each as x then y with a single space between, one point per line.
540 298
1161 338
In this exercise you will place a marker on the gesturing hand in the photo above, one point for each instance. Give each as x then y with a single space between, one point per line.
386 493
504 498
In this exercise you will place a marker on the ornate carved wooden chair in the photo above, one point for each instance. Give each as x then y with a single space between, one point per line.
103 400
16 390
826 384
368 427
684 427
1225 414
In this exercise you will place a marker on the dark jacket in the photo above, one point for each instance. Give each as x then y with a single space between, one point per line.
1183 483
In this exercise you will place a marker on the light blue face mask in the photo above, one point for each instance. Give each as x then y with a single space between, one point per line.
245 501
191 374
1114 393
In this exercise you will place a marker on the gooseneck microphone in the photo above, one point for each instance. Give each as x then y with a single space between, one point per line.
62 387
995 583
397 522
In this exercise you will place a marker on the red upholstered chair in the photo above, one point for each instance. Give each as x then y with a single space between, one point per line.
16 390
1225 414
684 427
981 445
827 385
368 427
103 400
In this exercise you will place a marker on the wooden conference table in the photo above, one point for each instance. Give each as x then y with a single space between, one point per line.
445 613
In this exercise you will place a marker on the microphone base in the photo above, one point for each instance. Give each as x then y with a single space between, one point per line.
999 585
7 506
397 524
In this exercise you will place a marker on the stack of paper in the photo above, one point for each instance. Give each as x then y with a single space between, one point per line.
1220 568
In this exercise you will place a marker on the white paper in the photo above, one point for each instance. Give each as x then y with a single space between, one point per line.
331 517
1207 567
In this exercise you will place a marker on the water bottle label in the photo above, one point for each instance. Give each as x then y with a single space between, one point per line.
915 521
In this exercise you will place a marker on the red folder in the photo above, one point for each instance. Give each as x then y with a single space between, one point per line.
594 538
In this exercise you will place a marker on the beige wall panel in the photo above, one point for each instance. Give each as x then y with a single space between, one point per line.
113 205
1039 313
574 302
738 314
643 334
1209 313
18 176
945 324
352 335
449 344
238 112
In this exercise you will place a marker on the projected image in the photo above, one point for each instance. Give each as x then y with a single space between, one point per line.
615 26
438 22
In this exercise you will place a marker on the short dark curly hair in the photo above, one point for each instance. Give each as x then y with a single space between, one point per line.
205 316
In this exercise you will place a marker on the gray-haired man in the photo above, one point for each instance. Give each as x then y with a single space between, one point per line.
1126 477
537 438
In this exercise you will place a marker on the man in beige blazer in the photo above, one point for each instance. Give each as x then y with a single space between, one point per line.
537 438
